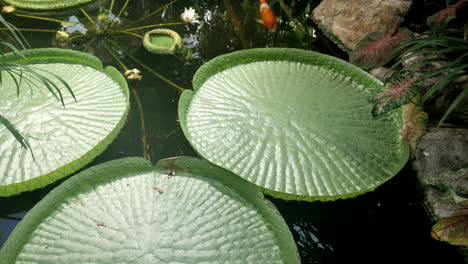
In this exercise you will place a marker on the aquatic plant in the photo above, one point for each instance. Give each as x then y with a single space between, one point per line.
375 49
46 4
162 41
63 134
103 34
451 209
23 73
296 123
184 209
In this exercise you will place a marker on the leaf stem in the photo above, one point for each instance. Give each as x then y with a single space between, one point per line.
154 12
40 18
148 68
149 26
87 16
142 123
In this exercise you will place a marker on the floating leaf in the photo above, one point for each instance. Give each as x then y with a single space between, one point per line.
296 123
456 181
399 89
441 19
127 211
64 134
46 4
414 124
453 230
374 50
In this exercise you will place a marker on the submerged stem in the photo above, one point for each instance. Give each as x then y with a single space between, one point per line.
156 74
148 68
31 29
133 34
87 16
149 26
111 6
153 13
123 8
142 123
116 58
40 18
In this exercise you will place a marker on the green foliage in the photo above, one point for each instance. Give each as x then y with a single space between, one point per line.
452 207
374 50
22 73
46 4
449 51
398 90
296 123
441 19
184 210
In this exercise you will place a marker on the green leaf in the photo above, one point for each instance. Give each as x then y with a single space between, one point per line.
452 230
398 90
127 211
46 4
456 181
64 134
450 204
296 123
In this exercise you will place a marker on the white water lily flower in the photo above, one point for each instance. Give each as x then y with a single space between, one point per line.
189 16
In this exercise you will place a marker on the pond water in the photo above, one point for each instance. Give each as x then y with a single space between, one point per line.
387 225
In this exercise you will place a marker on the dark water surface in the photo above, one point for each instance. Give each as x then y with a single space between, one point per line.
388 225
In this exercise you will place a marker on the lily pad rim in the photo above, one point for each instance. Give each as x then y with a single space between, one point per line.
126 167
44 6
226 61
56 55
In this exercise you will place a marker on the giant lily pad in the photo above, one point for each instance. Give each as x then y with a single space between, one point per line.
62 138
126 211
296 123
46 4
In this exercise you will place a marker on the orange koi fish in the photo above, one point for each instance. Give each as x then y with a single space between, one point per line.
268 17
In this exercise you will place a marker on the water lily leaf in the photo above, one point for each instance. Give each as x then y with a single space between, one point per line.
46 4
127 211
452 230
296 123
457 181
62 137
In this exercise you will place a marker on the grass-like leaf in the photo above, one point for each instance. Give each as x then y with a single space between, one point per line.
16 133
451 52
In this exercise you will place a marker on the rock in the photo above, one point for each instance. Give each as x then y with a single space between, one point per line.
381 73
347 22
439 151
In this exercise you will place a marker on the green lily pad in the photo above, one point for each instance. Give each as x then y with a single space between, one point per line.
46 4
62 138
162 41
127 211
296 123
